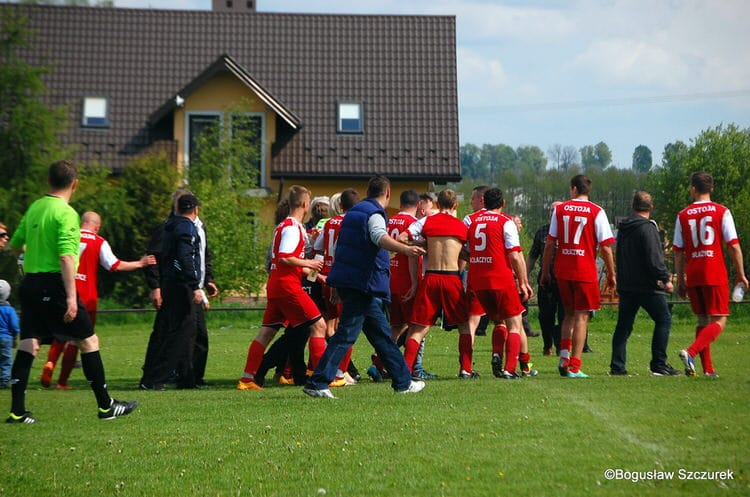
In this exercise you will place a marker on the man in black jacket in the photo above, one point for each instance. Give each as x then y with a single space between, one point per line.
642 281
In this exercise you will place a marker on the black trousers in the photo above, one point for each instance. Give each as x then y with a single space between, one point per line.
200 353
551 314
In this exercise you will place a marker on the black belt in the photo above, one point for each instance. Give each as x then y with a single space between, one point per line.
448 273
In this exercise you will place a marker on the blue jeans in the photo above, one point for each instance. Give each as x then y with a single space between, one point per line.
361 312
656 307
6 358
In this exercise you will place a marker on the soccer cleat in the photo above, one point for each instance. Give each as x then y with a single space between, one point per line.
118 408
283 380
465 375
338 382
665 370
46 379
506 375
497 366
689 362
423 375
248 385
350 380
711 375
25 418
323 394
374 374
529 371
156 387
624 372
562 367
547 352
63 387
414 387
577 374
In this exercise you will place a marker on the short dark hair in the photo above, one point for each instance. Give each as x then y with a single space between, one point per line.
480 189
581 183
349 198
447 199
409 198
377 186
642 201
493 199
702 181
62 174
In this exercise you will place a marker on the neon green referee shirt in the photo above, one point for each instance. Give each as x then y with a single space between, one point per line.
49 229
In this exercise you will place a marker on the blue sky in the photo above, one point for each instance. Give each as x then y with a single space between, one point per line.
626 72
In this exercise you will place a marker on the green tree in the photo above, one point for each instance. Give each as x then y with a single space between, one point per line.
472 165
28 127
642 160
597 156
531 158
498 158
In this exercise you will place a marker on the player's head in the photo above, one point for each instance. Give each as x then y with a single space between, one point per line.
62 174
642 202
702 182
176 196
493 199
92 221
581 183
409 199
349 198
378 186
477 197
447 199
298 197
187 204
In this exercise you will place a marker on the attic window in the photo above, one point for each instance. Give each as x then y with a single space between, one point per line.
350 118
95 112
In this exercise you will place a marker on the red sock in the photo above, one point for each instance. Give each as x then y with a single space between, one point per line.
68 363
411 349
254 358
55 349
288 371
344 365
315 346
566 344
465 351
705 336
575 364
499 334
708 365
524 357
512 348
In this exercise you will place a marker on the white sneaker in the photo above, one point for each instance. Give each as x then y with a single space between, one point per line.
349 380
325 393
414 387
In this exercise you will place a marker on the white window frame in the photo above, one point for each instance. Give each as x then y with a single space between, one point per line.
361 118
85 123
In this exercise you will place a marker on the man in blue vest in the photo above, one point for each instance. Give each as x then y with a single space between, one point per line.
360 274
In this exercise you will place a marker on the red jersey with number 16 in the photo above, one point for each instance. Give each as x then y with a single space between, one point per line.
578 225
330 234
699 231
491 236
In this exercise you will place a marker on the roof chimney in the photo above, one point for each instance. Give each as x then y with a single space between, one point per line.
241 6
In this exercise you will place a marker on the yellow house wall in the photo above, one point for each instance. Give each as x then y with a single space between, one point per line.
220 94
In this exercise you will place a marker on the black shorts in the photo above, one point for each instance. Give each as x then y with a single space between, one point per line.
43 305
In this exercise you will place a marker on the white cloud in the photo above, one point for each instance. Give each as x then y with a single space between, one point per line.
478 77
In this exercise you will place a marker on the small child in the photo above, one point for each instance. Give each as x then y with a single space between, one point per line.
8 332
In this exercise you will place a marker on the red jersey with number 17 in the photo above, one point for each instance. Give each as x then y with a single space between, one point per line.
400 276
491 236
288 241
699 231
579 226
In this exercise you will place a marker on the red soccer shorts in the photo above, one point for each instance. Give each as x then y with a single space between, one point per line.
501 303
296 308
579 295
709 300
332 311
440 292
475 306
400 311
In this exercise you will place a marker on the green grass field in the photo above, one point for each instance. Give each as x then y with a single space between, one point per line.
535 437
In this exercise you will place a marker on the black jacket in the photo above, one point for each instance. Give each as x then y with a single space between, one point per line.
640 257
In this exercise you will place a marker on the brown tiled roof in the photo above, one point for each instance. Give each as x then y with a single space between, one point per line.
402 68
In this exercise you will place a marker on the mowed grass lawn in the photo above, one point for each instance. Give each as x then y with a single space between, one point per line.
534 437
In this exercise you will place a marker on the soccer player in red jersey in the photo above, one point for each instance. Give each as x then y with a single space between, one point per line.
494 256
576 228
441 289
702 275
94 251
288 303
476 311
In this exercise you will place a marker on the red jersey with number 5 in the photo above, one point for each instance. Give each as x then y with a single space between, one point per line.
579 226
400 276
699 231
491 236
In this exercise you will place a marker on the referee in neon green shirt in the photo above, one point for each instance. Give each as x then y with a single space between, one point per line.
49 235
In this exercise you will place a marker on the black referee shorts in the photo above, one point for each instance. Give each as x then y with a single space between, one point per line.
43 305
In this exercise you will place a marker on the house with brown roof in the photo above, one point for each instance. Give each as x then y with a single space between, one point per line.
335 98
